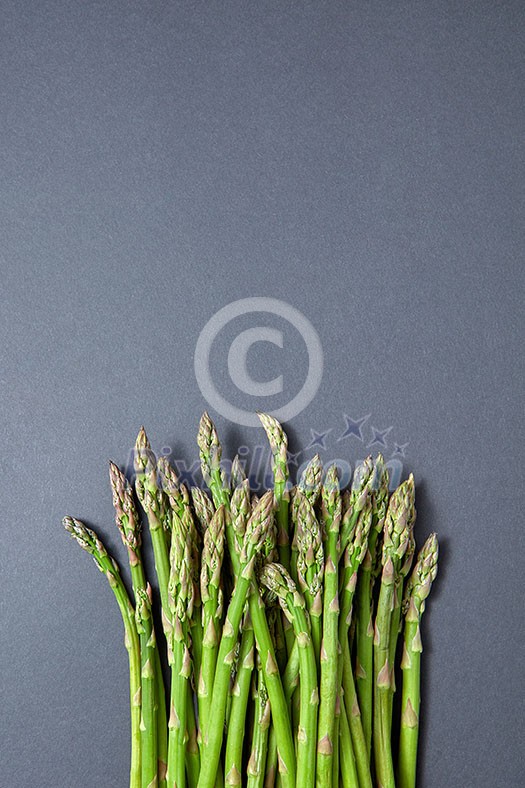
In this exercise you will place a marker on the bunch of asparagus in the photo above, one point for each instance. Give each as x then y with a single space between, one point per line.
281 617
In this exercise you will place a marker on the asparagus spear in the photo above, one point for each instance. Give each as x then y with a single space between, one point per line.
309 486
237 473
210 458
418 589
152 501
203 507
177 505
349 777
212 605
331 516
149 707
128 523
90 542
310 564
396 540
311 481
240 696
180 599
256 531
279 446
257 760
364 620
353 557
278 581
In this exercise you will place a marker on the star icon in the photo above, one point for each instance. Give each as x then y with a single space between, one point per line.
379 437
399 448
318 439
293 459
354 427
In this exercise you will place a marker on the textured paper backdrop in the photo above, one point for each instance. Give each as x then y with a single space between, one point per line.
363 163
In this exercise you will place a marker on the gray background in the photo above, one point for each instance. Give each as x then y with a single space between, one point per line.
361 161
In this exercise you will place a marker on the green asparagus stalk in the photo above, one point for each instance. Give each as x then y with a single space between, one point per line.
128 523
354 554
179 515
240 697
331 517
237 473
203 507
278 581
311 481
152 501
417 591
310 564
396 541
364 619
395 624
210 451
212 605
210 455
257 761
279 446
309 486
149 706
348 768
180 597
90 542
256 532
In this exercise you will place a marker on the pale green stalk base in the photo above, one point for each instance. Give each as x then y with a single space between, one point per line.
237 722
358 741
176 774
257 762
365 649
382 688
193 763
329 668
410 703
349 778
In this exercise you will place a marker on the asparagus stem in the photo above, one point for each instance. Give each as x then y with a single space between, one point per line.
148 721
152 501
237 474
418 589
128 523
397 537
277 580
309 486
279 705
192 754
210 462
90 542
364 618
349 776
210 456
256 532
359 523
257 761
310 565
353 713
162 722
279 446
331 508
240 692
212 604
300 628
180 594
395 625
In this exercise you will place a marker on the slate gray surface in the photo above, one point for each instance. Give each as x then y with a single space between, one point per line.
361 162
